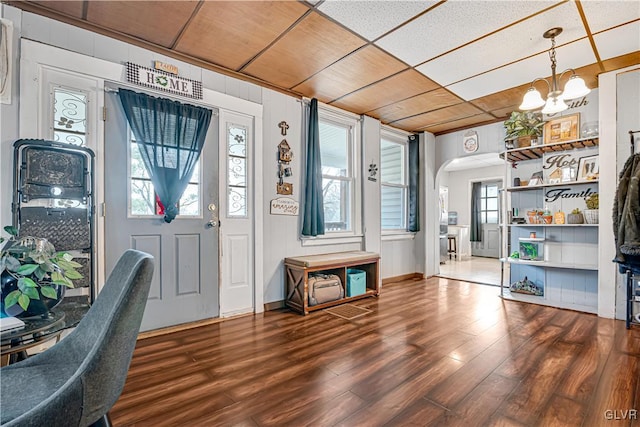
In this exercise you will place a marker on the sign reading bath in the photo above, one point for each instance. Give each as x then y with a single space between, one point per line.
163 81
284 206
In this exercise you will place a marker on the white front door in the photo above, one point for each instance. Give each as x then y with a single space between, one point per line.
185 280
236 214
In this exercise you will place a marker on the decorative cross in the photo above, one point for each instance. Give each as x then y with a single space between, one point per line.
283 127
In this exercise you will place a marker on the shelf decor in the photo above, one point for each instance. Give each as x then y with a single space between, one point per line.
588 168
562 129
526 286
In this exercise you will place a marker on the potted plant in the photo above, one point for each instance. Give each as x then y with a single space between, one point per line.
523 126
591 213
33 275
575 217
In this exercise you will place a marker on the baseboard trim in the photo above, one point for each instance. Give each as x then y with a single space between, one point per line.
275 305
184 326
402 278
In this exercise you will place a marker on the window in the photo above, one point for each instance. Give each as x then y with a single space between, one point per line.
489 203
237 171
143 199
337 145
393 182
69 116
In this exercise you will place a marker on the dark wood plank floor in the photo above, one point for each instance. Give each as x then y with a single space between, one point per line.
432 352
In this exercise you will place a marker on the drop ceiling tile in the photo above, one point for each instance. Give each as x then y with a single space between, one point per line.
357 70
602 15
573 55
453 24
501 100
71 8
373 19
418 104
313 44
618 41
442 115
511 44
395 88
211 37
480 119
160 25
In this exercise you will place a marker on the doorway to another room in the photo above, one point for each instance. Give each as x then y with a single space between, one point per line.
473 239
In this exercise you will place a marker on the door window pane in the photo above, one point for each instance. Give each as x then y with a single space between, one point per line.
143 198
69 116
236 170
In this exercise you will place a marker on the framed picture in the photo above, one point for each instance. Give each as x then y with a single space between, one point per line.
568 173
588 168
562 129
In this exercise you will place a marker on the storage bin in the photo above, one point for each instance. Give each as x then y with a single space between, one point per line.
356 282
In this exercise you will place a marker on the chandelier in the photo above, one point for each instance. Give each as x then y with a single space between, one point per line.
574 88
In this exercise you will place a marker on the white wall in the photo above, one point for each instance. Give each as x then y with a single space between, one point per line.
459 184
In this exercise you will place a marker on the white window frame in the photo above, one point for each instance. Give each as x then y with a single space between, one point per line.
398 137
352 122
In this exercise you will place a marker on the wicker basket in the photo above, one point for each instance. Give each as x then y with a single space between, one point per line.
591 216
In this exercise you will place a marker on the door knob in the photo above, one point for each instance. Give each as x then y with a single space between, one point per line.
211 223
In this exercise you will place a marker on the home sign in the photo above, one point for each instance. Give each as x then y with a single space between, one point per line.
163 81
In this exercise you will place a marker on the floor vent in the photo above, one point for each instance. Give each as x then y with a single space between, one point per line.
347 311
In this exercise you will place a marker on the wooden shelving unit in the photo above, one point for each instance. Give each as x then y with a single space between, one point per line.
567 274
537 151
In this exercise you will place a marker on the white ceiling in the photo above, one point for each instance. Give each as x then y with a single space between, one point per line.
475 48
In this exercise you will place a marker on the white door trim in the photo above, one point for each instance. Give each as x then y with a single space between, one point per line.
34 55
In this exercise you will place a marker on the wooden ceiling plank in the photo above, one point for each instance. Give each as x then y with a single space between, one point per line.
71 8
309 47
456 125
359 69
396 88
423 103
158 23
221 27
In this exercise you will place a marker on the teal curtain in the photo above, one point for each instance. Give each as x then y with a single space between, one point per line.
170 137
476 213
313 220
414 184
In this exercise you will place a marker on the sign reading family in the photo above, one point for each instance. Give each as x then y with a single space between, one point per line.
164 81
565 193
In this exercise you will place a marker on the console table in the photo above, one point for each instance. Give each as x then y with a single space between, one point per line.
297 271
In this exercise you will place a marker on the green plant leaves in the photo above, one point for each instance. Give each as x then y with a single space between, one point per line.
12 298
72 274
11 230
24 301
27 269
48 292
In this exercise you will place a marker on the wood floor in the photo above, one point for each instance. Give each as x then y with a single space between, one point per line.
433 352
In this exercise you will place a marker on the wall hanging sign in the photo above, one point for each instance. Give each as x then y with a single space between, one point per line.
284 206
373 171
163 81
562 193
284 158
470 142
561 167
163 66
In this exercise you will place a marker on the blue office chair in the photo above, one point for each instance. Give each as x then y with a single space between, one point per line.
77 381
